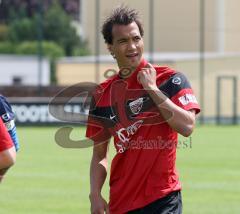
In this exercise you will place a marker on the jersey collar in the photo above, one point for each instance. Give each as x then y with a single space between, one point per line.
141 65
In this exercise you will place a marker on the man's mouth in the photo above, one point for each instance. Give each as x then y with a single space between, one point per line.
132 55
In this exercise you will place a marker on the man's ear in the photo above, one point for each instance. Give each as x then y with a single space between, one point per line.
109 47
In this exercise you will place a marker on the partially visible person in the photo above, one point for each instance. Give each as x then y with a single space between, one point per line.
8 116
9 144
7 151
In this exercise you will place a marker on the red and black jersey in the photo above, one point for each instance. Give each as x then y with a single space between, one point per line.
143 169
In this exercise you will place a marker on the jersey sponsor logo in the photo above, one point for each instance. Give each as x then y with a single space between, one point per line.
6 117
124 134
136 105
121 148
187 98
177 80
10 125
112 117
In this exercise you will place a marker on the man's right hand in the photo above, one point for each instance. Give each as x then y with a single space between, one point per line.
98 205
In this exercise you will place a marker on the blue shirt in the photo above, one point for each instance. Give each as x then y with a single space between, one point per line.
7 116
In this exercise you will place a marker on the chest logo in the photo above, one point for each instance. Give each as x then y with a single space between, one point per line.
136 105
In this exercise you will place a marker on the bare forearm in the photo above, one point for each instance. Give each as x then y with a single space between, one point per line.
179 119
98 168
98 173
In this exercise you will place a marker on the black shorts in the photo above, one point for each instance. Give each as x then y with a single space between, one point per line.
170 204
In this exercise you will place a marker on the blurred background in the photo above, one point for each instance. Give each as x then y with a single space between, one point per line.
48 45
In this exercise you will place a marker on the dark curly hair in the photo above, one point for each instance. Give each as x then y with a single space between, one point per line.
122 15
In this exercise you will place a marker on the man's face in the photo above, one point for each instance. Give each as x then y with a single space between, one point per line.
127 45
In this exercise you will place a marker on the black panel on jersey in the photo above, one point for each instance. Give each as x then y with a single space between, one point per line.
108 116
174 84
103 114
170 88
147 103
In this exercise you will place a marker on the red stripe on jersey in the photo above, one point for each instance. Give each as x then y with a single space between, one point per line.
186 100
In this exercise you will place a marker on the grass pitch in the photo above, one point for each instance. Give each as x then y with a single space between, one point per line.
48 179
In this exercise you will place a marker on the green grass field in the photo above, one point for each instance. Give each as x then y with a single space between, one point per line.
50 179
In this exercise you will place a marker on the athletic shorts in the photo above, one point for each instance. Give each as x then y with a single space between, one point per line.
170 204
5 139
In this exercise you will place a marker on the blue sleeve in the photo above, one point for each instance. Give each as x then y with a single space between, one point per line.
7 117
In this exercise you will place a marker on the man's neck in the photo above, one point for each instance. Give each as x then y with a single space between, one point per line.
125 72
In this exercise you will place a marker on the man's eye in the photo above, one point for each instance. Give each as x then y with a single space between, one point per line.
122 41
137 38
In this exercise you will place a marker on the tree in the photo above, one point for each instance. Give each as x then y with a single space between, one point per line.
30 7
22 30
56 27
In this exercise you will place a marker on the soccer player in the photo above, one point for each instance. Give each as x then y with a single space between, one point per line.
8 137
143 107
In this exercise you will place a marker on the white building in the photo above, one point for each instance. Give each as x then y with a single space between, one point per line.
24 70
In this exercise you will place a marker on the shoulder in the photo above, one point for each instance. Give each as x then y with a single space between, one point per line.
177 80
3 102
105 84
5 109
2 98
164 71
180 80
174 83
170 75
99 95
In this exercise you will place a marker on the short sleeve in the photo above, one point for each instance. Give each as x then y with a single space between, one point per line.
178 89
97 125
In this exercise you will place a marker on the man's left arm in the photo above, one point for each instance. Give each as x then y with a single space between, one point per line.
179 119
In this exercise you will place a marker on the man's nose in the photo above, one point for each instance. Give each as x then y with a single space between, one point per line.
131 45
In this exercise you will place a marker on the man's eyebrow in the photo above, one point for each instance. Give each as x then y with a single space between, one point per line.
122 39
